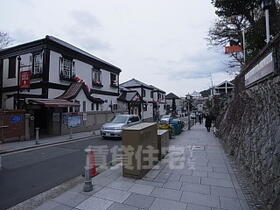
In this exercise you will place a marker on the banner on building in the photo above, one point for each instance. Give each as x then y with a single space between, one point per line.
233 49
25 77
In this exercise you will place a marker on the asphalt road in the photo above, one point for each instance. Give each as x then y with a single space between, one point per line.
26 174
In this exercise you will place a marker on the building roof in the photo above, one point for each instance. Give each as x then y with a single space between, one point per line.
135 83
74 89
171 96
55 42
53 102
222 84
128 96
157 89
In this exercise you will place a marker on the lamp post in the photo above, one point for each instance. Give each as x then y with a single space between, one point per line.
18 81
265 6
188 97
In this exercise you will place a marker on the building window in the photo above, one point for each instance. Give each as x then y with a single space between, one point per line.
115 106
84 106
145 107
92 106
114 81
96 77
37 64
143 93
152 94
67 69
77 108
12 67
159 96
97 107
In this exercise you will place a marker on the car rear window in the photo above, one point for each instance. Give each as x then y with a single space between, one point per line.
119 119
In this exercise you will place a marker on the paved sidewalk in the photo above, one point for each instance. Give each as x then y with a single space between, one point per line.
21 145
206 182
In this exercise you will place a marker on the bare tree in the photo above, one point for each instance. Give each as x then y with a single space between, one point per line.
5 40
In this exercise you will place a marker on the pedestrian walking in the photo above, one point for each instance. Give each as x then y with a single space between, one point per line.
208 122
200 118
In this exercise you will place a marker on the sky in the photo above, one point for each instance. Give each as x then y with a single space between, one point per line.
159 42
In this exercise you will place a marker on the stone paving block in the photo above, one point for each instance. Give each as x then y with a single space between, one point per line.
120 206
161 204
185 171
174 177
126 179
141 189
173 185
51 205
190 179
94 203
216 182
223 191
201 168
197 207
230 203
196 188
121 185
219 175
163 176
152 174
200 173
200 199
102 180
71 198
244 204
150 183
220 169
112 194
139 201
166 193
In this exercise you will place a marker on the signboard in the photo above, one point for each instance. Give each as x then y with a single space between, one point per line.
233 49
25 77
262 69
16 119
73 121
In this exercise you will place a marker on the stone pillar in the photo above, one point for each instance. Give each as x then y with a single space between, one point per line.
27 127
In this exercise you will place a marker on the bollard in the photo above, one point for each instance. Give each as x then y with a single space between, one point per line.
37 135
71 131
88 183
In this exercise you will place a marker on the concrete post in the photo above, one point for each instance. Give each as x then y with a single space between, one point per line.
71 133
37 135
27 127
88 182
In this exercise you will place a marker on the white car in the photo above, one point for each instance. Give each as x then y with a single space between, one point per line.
117 124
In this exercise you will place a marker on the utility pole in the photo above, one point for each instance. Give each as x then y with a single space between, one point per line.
244 46
265 6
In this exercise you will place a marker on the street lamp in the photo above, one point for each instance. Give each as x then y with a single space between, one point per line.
265 4
188 97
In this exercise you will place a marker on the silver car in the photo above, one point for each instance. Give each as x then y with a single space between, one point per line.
117 124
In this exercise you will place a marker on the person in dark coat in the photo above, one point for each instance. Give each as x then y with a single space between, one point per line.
208 122
200 118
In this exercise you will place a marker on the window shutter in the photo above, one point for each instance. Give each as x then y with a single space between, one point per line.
73 69
60 66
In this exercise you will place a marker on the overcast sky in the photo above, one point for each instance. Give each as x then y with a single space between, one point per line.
159 42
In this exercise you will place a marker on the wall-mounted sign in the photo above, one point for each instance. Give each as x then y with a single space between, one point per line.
262 69
73 121
233 49
25 77
16 119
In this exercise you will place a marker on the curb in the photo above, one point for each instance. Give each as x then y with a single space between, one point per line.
43 145
56 191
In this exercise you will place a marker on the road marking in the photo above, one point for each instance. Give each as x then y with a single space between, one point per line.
52 145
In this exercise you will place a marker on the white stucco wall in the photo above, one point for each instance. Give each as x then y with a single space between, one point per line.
26 60
53 93
83 71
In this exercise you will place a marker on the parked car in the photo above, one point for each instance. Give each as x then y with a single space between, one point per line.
165 119
193 116
117 124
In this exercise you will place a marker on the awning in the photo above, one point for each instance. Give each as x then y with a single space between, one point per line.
53 102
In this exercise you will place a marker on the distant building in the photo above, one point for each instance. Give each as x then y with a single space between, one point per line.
196 95
150 103
173 104
225 87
